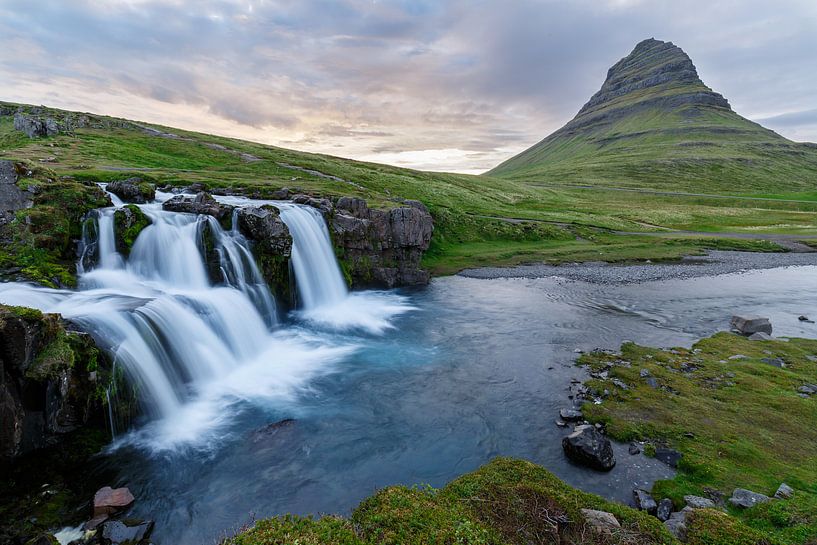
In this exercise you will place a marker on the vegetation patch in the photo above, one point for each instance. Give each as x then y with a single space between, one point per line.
728 404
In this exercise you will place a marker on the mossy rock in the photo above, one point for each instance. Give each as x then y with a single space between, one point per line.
129 221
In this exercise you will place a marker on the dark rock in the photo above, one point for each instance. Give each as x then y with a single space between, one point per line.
588 446
634 449
644 501
669 456
128 221
746 498
749 324
108 501
119 533
133 190
272 429
12 198
200 203
571 415
664 509
324 205
784 492
805 319
265 226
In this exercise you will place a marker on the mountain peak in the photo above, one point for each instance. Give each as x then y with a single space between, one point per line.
651 69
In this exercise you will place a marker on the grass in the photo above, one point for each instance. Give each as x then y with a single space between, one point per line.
729 418
504 502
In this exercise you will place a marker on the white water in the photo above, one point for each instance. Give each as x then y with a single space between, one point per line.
195 352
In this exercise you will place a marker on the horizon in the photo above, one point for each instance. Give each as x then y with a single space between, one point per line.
402 83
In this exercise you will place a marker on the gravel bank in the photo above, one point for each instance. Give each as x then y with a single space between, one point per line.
714 263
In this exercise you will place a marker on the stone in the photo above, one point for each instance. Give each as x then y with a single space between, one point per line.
119 533
644 501
200 203
676 525
588 446
12 198
746 498
133 190
784 492
697 502
634 449
760 337
774 362
129 221
571 415
600 521
669 456
749 324
808 389
664 509
651 382
644 373
737 357
108 501
265 226
804 319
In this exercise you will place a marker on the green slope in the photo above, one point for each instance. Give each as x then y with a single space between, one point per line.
654 124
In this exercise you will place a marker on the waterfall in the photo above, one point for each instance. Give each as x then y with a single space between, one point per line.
317 273
190 348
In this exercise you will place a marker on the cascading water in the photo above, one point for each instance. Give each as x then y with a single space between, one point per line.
191 349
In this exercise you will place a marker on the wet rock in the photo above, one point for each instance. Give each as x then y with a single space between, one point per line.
128 221
265 226
324 205
669 456
200 203
805 319
571 415
746 498
587 446
12 198
561 423
133 190
697 502
119 533
784 492
634 449
760 337
750 324
644 501
664 510
272 429
108 501
600 521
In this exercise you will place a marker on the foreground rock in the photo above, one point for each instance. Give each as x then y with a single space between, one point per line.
108 501
750 324
122 533
644 501
588 446
601 521
746 498
200 203
784 492
133 190
382 248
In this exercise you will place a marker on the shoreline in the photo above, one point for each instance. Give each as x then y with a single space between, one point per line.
714 263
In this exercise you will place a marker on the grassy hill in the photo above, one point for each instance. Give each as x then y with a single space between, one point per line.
479 220
654 124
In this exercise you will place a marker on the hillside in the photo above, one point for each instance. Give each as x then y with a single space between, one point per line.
655 124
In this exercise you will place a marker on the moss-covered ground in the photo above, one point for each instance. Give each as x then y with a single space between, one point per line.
739 421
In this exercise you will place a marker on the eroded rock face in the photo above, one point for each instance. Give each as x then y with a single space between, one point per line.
133 190
200 203
47 389
382 248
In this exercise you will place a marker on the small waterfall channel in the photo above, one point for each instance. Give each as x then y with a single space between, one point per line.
191 349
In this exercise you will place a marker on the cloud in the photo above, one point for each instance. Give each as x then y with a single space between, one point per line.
437 84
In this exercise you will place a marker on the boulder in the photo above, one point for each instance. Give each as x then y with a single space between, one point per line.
644 501
634 449
120 533
697 502
265 226
760 337
676 525
12 198
108 501
571 415
324 205
750 324
746 498
200 203
784 492
664 510
133 190
669 456
588 446
774 362
128 222
600 521
32 126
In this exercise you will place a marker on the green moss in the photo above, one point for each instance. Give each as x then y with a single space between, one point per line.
24 312
728 412
711 527
56 357
291 530
129 222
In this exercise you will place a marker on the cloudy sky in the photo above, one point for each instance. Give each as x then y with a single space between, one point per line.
454 85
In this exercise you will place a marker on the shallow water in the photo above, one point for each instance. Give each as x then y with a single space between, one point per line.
459 380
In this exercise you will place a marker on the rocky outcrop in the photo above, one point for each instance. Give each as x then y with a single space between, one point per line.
133 190
200 203
749 325
39 121
49 380
128 222
382 248
272 247
12 198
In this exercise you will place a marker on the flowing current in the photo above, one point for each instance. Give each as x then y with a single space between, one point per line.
193 350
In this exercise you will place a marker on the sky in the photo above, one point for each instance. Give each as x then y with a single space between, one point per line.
448 85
